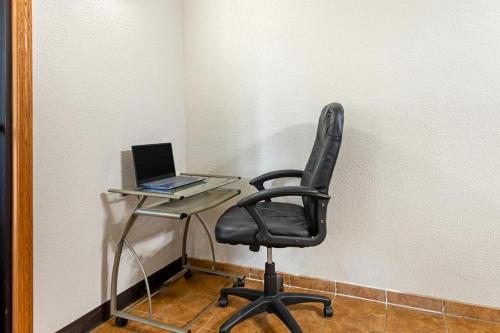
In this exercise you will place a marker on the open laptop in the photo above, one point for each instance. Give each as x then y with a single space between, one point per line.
155 168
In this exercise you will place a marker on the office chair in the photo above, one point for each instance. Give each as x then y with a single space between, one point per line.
257 221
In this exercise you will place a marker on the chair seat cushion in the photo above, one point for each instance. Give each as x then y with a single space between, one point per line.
236 225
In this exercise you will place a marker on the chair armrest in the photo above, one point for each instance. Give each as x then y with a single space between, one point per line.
264 236
284 191
259 181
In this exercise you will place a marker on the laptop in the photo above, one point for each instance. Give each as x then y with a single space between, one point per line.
155 168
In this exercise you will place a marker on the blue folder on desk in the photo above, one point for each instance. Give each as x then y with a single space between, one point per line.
167 189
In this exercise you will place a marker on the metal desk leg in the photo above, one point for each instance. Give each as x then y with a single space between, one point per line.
114 281
184 241
209 238
148 290
240 278
118 254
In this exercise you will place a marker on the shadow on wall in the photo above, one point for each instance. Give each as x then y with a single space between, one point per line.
277 150
285 149
368 216
362 205
144 230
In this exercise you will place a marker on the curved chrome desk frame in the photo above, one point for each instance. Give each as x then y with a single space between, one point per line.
182 205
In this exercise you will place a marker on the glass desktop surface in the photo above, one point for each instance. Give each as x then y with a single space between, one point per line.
211 182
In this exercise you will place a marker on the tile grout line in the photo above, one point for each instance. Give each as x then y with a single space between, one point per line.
473 319
385 317
361 298
324 325
386 307
204 326
333 307
209 319
444 318
446 324
166 315
414 308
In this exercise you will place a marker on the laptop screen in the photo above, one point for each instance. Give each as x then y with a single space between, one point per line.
153 162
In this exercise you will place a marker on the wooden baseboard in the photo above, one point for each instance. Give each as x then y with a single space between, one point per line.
101 314
420 302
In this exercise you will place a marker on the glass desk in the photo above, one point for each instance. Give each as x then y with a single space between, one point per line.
183 204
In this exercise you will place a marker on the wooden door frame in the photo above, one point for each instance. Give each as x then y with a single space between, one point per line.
22 167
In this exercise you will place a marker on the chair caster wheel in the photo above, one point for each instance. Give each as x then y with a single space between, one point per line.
239 283
188 274
223 302
328 311
121 322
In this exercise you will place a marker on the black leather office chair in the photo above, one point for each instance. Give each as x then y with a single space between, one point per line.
257 221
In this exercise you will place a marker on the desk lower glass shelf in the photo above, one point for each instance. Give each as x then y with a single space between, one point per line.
180 209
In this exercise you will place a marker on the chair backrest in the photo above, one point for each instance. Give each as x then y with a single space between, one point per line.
319 169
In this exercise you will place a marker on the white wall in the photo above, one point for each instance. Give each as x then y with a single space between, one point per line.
416 190
107 74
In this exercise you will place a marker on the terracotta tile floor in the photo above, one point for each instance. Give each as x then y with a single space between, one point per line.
195 301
